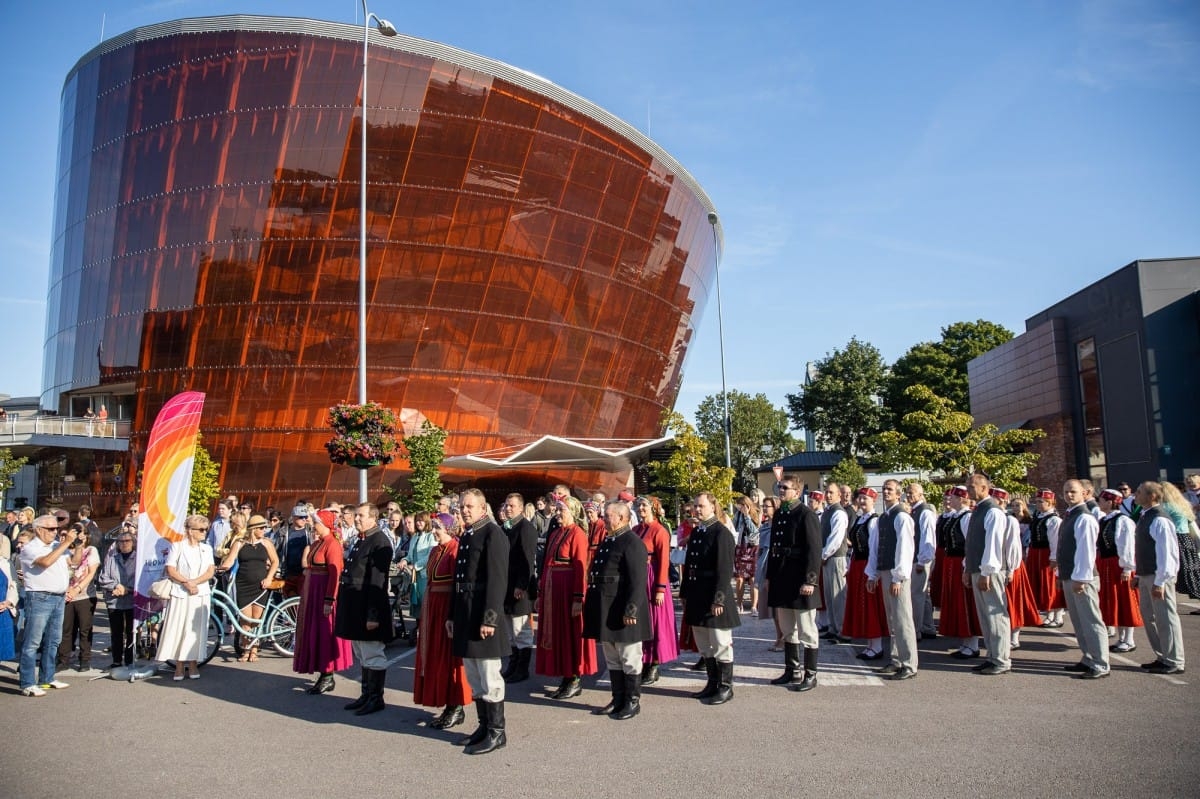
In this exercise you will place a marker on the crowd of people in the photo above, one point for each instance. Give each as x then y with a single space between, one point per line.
555 585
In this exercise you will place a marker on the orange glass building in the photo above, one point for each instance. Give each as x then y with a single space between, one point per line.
535 265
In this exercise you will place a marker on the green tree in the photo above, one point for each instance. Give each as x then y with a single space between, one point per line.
9 466
426 451
841 405
206 485
848 472
946 443
942 366
758 431
687 471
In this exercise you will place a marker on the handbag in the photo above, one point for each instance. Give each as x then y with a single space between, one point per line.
161 589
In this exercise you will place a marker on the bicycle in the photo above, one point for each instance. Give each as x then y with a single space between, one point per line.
277 626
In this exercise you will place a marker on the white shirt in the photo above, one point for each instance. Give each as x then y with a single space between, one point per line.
1166 550
191 562
926 533
1012 545
995 528
838 524
54 578
1124 539
1052 525
904 546
1086 531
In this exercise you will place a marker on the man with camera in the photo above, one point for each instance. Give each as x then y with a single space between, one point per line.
47 575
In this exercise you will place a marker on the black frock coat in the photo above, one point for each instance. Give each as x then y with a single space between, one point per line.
480 580
617 589
707 573
363 590
794 559
522 550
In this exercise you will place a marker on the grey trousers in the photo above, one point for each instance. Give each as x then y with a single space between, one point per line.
1162 621
991 607
625 657
483 675
520 631
714 643
833 573
1090 632
922 601
900 622
799 626
369 654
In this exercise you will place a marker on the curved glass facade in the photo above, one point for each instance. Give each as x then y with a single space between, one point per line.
535 266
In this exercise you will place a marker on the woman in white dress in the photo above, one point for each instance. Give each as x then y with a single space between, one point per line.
184 633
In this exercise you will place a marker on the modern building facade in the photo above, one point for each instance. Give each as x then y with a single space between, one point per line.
536 266
1111 374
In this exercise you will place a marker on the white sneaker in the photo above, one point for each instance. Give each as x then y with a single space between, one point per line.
32 690
56 684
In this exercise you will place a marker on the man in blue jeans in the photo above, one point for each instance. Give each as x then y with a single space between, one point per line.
47 575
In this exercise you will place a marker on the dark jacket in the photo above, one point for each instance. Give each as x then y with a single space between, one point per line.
522 551
363 590
480 580
794 559
616 589
707 572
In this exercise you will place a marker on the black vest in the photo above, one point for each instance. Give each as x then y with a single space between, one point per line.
1106 542
860 537
1039 531
1145 551
976 533
885 553
1067 544
827 529
956 540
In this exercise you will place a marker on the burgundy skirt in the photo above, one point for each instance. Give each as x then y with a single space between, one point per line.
865 615
562 651
1120 605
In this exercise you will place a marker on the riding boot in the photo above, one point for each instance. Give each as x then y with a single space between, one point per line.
617 678
480 731
362 697
494 737
810 672
710 687
374 702
791 663
633 698
724 690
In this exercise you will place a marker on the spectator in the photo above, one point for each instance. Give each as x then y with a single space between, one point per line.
80 607
293 545
183 636
220 528
257 562
8 610
47 574
117 580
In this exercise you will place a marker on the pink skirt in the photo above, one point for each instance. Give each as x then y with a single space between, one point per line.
661 647
317 648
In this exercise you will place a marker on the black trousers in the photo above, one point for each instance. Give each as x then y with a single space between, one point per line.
77 620
120 624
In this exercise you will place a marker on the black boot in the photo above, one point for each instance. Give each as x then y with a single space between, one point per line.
493 737
699 664
520 670
617 678
710 687
810 672
650 674
791 664
454 716
374 702
323 685
362 697
724 690
569 688
480 731
633 698
512 664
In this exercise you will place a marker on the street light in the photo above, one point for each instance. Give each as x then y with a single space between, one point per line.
387 29
712 220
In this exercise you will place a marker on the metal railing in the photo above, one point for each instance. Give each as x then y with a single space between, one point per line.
12 429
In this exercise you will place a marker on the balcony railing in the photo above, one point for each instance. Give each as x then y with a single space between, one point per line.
18 430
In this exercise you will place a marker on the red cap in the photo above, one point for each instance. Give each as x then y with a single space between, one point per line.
1045 493
819 496
328 518
999 493
1112 495
959 491
625 496
870 492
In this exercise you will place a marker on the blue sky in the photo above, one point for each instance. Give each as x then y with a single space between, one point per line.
881 169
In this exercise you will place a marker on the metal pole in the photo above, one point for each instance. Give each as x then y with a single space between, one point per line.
712 220
362 250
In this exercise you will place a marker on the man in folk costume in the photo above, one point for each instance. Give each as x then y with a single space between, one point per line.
1115 561
364 609
983 573
889 568
793 579
616 609
708 605
925 531
1076 558
521 589
835 524
1156 550
476 622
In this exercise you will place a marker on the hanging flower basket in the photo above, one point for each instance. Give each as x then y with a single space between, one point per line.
364 435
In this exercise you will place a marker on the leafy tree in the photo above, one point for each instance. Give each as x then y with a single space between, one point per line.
947 443
841 406
848 472
9 466
426 451
758 430
206 485
942 366
686 471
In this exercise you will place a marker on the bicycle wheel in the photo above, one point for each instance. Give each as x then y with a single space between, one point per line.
216 637
281 629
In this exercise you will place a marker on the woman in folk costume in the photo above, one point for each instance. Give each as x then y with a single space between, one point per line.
596 529
440 679
661 646
562 650
958 619
1018 593
317 648
865 615
1039 558
1120 605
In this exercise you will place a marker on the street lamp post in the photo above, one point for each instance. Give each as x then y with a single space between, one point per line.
387 29
712 220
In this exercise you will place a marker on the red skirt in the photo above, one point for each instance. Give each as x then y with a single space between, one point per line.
1120 605
958 619
439 678
1022 607
1046 591
562 650
865 615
